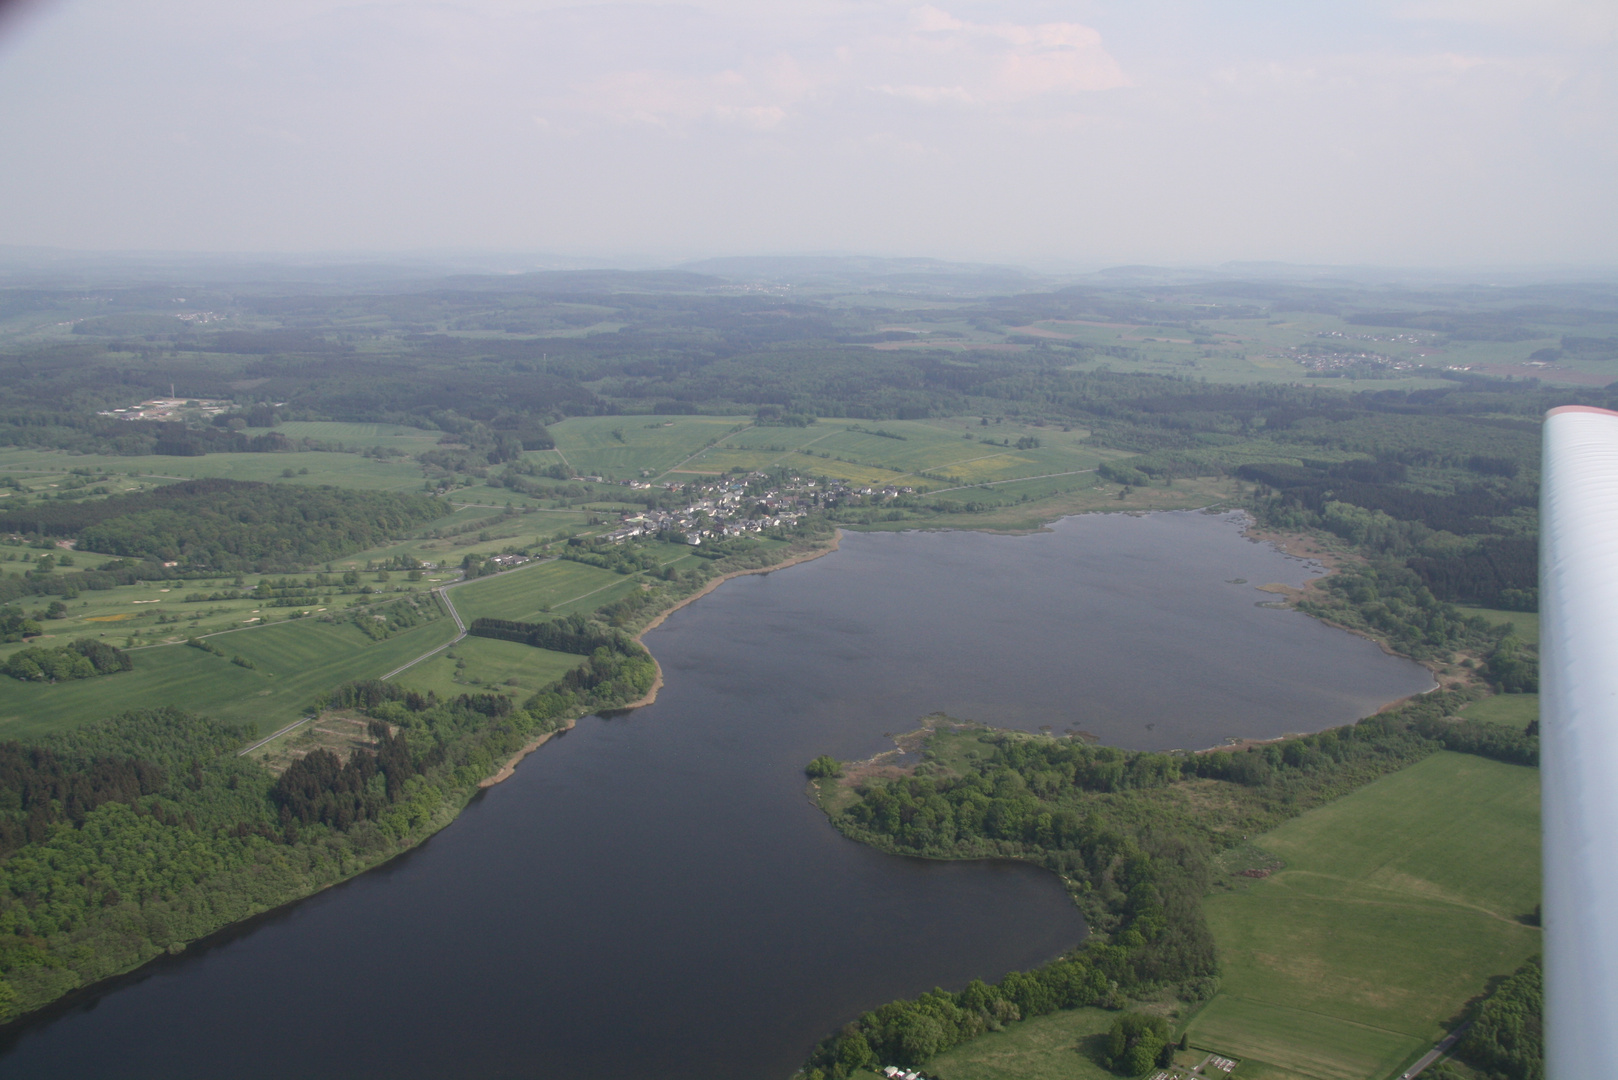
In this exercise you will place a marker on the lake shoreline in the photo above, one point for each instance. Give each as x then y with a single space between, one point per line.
509 767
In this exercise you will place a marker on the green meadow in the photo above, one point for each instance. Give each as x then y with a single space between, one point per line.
557 587
1509 710
623 447
1396 905
294 662
465 527
408 440
1057 1046
689 448
1524 623
480 665
529 593
1081 494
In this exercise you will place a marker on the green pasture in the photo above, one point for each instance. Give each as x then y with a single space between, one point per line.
409 440
620 446
1524 623
447 551
781 439
525 594
1508 710
1396 905
723 459
342 470
922 448
1006 492
864 457
295 661
1058 1046
853 472
609 593
643 443
993 464
481 665
1049 499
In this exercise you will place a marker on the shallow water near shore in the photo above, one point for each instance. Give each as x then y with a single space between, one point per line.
652 894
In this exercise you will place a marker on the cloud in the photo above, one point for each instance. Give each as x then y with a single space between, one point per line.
926 56
994 63
1587 22
930 95
757 97
1430 130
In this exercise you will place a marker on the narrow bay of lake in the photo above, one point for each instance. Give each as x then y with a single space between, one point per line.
653 895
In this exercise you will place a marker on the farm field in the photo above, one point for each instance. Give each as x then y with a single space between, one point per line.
506 667
557 587
1057 1046
1396 905
643 444
409 440
525 595
1511 710
295 661
1256 350
447 551
830 447
1524 623
1062 496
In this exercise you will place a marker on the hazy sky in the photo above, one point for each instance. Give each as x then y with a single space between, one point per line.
1428 132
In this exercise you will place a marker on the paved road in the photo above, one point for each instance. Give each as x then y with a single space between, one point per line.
1435 1053
271 738
460 627
704 450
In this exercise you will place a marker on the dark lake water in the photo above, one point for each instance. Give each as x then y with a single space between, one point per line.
653 895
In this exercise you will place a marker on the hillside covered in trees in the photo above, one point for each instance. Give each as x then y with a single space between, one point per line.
231 525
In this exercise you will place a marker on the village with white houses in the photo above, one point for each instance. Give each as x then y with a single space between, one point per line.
740 505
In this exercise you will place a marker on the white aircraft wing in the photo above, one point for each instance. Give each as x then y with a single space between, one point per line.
1579 739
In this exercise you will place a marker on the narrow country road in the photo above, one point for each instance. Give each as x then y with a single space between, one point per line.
1435 1053
460 627
460 632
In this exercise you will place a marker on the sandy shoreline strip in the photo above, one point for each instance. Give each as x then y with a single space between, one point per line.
657 680
511 764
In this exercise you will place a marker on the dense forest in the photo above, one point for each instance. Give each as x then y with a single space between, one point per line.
1133 835
231 525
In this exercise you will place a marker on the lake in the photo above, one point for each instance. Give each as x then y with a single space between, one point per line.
652 894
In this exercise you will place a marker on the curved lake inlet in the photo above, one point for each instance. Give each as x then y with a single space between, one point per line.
653 895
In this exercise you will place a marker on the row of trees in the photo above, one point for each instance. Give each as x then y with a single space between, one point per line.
570 634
